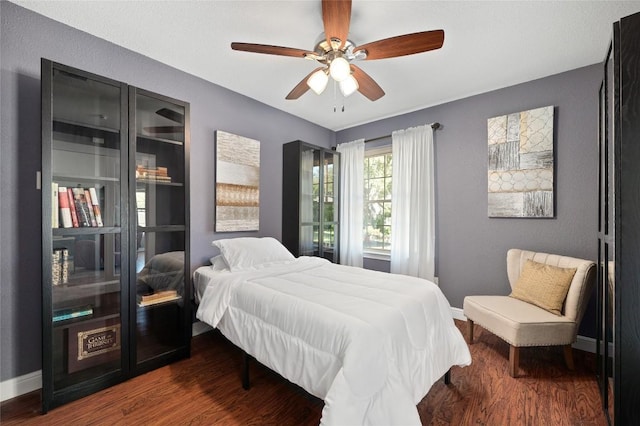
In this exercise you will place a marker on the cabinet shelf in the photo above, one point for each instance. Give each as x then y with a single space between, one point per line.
72 294
151 305
157 182
84 178
156 139
99 315
90 135
162 228
68 126
93 230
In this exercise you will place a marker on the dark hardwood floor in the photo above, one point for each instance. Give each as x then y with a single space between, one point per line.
206 390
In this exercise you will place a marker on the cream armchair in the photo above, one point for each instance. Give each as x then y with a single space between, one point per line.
521 323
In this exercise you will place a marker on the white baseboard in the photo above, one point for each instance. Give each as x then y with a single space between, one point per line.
30 382
583 343
458 314
17 386
33 381
200 327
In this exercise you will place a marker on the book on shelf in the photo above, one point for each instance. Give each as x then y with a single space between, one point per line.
72 208
60 265
82 208
56 267
158 297
92 215
65 211
95 201
148 174
69 313
66 266
55 218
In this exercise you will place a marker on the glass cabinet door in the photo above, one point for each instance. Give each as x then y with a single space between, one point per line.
309 201
310 216
330 205
84 131
610 230
159 225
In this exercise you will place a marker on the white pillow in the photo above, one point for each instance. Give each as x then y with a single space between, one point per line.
218 263
248 252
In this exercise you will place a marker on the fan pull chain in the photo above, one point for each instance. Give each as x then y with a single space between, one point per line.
335 98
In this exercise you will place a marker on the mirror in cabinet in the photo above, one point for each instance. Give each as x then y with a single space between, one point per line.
159 148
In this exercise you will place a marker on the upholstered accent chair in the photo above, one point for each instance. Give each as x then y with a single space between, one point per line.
521 323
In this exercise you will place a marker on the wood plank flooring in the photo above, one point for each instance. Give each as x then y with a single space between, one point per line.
206 390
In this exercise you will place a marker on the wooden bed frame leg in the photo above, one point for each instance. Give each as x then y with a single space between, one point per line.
470 327
447 377
245 371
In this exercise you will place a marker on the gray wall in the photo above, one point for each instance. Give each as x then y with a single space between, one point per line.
26 37
471 247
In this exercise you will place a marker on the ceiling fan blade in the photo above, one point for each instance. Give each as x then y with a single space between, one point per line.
301 87
366 85
336 15
407 44
271 50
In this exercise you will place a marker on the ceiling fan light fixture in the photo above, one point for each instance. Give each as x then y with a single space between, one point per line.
348 86
339 69
318 81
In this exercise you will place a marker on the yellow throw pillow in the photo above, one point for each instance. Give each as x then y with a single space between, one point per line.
544 285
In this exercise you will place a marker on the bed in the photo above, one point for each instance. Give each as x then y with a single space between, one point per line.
370 344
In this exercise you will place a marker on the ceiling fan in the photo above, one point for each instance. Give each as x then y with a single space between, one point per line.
336 53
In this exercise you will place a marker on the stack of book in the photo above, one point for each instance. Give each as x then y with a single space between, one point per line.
60 266
69 313
158 297
76 207
144 173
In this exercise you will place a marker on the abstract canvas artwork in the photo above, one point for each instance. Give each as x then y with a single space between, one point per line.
520 175
237 183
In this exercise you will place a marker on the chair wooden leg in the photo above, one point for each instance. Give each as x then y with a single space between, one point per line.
470 327
568 357
514 360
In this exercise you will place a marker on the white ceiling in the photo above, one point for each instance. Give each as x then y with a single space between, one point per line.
488 45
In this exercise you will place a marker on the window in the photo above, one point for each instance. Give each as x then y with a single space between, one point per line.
377 201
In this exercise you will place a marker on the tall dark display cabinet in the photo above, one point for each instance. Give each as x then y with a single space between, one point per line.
310 200
115 223
618 338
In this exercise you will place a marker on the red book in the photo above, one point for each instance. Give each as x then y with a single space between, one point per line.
72 207
65 212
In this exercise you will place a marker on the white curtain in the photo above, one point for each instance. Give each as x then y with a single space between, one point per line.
412 203
351 201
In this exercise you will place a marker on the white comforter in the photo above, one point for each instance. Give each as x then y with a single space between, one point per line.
370 344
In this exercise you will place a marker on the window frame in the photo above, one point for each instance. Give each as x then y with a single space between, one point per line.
372 253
